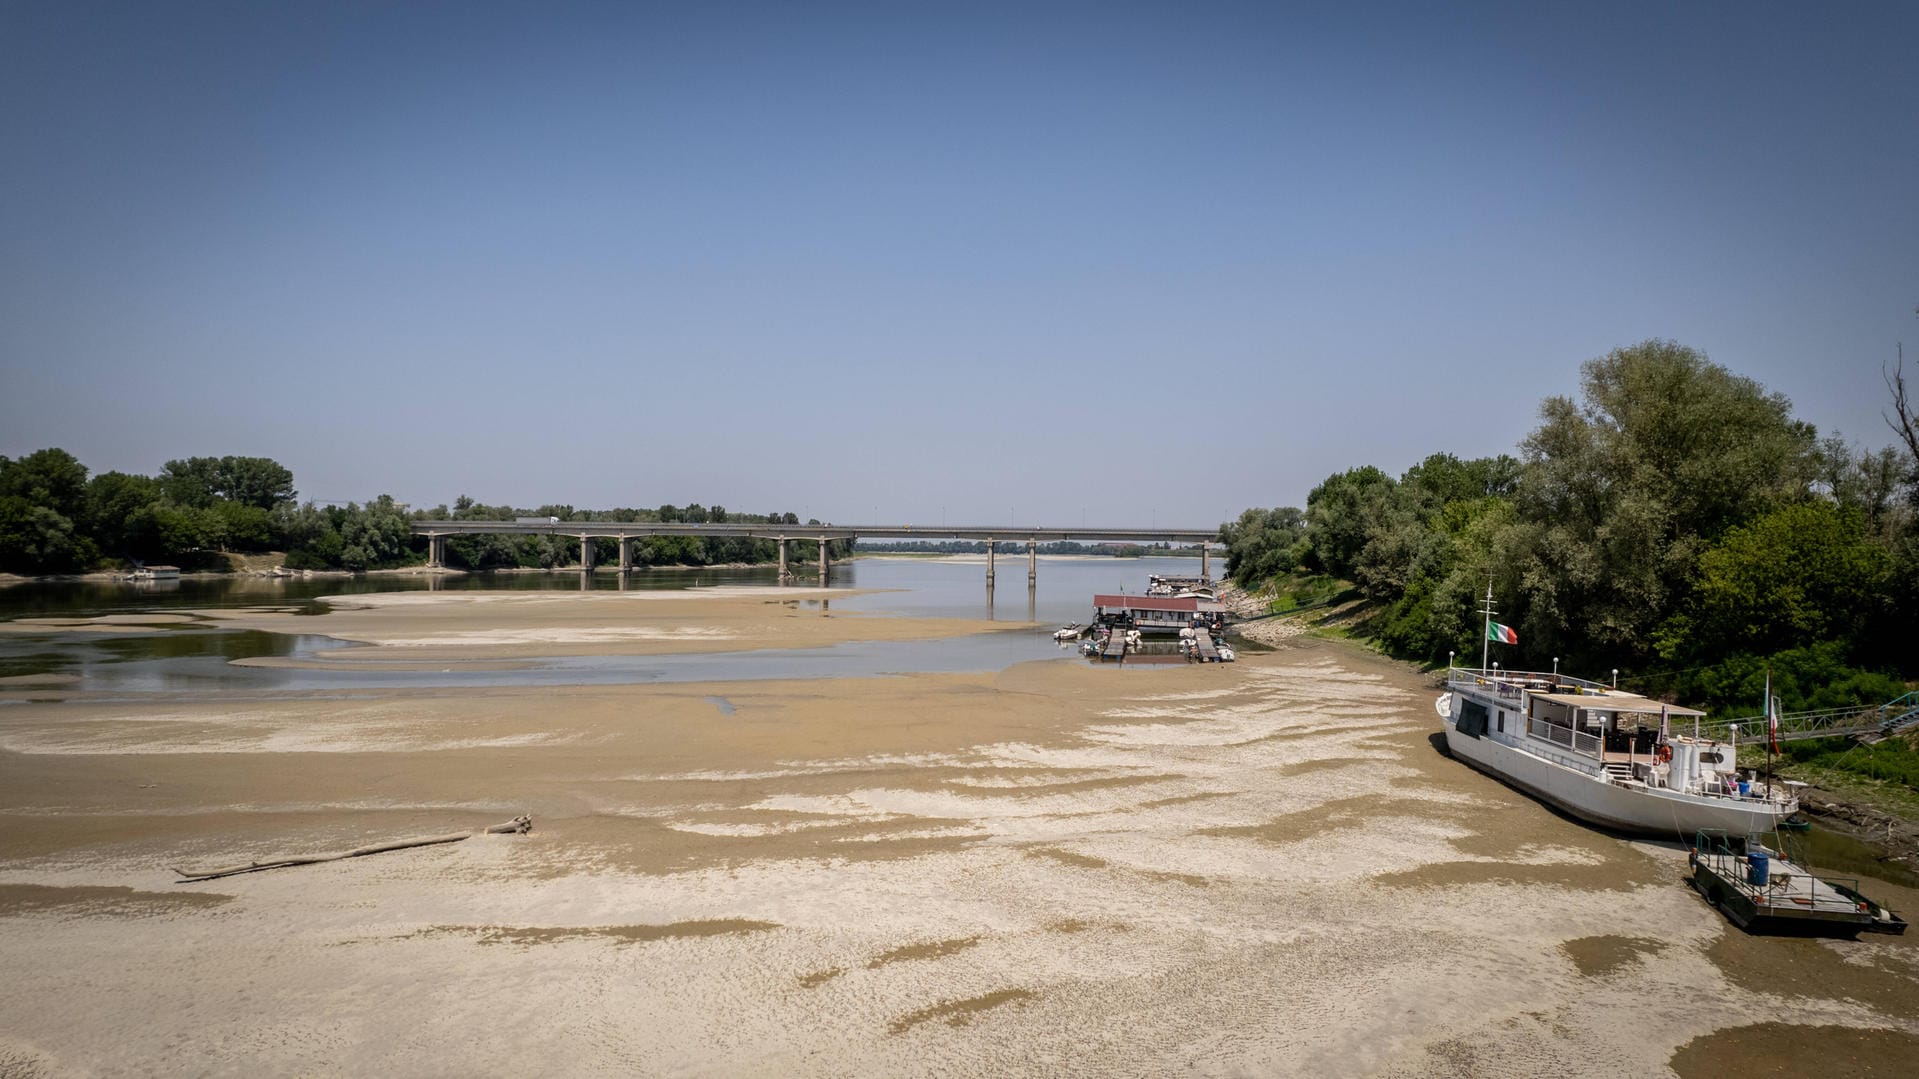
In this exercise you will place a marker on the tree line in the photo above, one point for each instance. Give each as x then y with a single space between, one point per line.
496 551
55 518
1676 522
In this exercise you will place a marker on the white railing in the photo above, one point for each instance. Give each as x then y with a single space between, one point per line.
1561 735
1510 684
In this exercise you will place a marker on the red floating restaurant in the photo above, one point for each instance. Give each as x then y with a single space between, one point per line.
1157 614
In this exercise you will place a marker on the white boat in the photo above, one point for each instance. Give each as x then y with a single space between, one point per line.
1068 632
1602 755
1226 654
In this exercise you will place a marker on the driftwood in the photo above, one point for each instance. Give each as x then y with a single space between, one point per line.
513 827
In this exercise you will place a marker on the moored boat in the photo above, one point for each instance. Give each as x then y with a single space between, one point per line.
1605 756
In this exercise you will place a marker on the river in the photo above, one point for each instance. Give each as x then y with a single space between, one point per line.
199 655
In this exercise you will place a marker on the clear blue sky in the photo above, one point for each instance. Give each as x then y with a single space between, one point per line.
926 260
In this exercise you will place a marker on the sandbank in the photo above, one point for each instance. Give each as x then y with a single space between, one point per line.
1260 868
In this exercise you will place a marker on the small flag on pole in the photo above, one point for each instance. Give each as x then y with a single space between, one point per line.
1502 634
1772 717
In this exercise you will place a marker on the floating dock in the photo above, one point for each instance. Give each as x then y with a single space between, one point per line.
1113 647
1204 649
1761 892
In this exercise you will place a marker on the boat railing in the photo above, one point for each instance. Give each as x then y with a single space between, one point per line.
1561 735
1788 887
1505 681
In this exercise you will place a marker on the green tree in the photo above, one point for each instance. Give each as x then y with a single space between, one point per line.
260 482
1263 544
1800 575
113 498
1343 513
35 539
52 479
1621 495
252 481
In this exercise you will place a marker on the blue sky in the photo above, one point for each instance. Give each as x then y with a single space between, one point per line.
1105 262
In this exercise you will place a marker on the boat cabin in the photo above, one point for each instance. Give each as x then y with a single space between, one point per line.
1158 614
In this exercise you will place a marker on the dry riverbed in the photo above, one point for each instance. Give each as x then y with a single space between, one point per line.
1262 868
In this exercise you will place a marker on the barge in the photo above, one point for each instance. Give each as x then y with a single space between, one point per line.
1762 890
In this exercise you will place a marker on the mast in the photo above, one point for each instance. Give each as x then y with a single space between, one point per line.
1486 631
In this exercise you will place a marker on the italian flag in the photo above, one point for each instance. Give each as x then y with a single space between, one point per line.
1502 634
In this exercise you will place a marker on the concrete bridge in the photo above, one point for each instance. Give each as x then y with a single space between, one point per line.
628 531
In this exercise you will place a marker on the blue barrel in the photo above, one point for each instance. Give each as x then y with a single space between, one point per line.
1745 789
1758 868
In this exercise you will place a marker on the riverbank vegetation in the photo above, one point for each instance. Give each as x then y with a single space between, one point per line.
1676 522
56 519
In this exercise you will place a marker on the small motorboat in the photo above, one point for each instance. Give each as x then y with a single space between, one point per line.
1069 632
1226 654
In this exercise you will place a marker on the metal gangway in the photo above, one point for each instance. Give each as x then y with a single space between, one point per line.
1867 723
1203 648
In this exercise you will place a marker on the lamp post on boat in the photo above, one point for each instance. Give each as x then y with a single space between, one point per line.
1615 678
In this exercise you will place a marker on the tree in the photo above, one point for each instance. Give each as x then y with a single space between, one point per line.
375 536
1342 513
113 498
35 539
1263 544
252 481
193 481
1798 576
51 479
1621 495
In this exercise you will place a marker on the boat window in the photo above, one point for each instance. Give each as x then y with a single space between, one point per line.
1710 758
1472 719
1502 721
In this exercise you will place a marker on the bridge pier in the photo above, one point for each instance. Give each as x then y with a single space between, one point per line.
1032 564
586 554
822 562
1206 561
992 545
786 575
626 555
435 551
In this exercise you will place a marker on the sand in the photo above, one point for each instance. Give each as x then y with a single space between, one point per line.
1262 868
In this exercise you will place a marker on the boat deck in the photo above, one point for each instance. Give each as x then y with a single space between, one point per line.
1792 900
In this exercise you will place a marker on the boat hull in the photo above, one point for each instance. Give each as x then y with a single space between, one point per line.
1635 810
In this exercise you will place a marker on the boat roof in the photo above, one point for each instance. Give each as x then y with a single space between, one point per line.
1614 701
1157 603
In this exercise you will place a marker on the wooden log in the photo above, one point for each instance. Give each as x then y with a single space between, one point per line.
516 826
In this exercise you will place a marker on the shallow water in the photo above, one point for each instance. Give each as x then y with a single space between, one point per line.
196 656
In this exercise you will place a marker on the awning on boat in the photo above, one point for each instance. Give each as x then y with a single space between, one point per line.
1615 701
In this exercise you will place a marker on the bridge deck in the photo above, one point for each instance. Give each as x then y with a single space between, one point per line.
640 529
